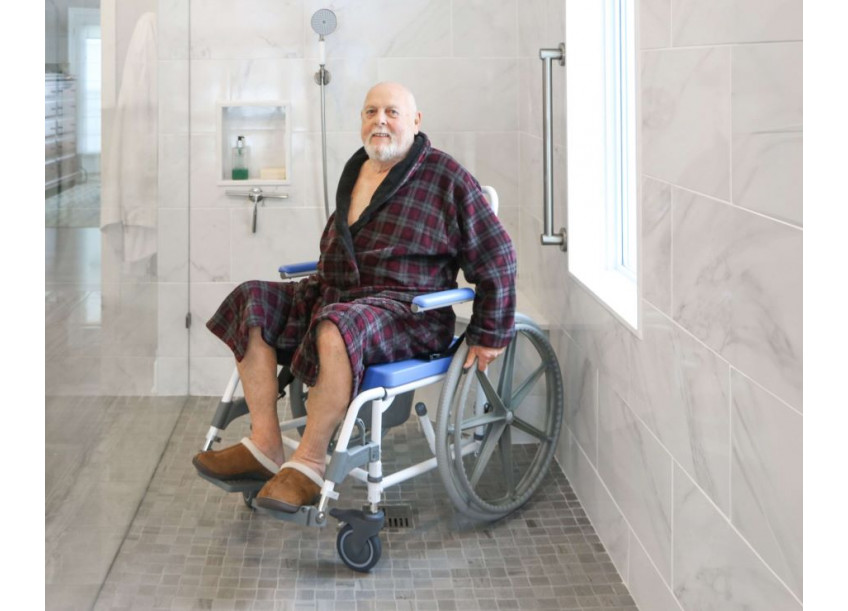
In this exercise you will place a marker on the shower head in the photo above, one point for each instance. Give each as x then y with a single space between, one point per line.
324 22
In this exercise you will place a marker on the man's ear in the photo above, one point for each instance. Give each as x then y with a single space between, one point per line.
417 121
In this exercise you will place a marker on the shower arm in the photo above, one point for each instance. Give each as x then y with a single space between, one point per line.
549 238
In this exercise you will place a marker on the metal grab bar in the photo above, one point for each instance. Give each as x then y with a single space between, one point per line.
549 238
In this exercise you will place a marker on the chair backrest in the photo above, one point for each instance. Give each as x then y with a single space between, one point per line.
492 196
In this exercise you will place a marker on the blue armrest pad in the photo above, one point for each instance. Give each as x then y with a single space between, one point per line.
298 269
442 299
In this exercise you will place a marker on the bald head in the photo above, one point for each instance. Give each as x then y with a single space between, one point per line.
396 91
390 120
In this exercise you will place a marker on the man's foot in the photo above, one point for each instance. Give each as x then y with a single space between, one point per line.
295 485
243 461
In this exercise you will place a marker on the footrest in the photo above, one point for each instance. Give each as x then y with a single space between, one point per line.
237 485
306 515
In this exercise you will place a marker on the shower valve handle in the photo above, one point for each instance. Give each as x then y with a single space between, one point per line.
255 195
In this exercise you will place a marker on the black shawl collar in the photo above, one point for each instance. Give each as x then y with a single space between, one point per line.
396 177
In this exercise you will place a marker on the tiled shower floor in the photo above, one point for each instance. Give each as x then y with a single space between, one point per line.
193 546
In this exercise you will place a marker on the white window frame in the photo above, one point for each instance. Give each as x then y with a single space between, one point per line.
601 52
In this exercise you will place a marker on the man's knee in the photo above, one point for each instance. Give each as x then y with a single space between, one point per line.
329 338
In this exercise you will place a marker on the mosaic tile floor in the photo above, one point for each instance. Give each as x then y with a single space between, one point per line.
193 546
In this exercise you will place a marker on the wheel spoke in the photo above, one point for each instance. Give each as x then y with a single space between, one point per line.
528 428
526 387
505 381
487 448
505 443
491 394
481 420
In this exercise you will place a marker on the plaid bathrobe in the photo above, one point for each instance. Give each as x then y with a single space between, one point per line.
426 220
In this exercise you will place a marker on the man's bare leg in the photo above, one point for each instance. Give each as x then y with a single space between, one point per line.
258 373
328 399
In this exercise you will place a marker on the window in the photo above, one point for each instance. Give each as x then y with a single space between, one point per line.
600 53
84 54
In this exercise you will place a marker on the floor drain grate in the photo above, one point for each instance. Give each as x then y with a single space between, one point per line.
397 516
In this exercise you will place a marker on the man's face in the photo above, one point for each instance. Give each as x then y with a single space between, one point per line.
389 122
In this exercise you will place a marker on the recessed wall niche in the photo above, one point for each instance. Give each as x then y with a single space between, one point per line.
254 144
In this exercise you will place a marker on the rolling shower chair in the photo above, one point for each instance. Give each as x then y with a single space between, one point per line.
494 438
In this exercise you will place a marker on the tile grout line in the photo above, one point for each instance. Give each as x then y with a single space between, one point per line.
140 502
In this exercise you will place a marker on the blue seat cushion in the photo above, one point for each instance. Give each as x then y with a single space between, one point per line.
389 375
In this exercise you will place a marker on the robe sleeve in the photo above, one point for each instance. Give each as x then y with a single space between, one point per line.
487 258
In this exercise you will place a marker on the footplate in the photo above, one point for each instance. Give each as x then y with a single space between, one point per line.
237 485
306 515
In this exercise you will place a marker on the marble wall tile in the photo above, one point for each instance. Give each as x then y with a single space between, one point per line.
170 376
460 94
656 244
686 118
283 235
173 28
173 245
637 471
532 182
248 80
173 170
385 28
541 24
343 95
205 297
737 287
647 587
605 515
492 157
767 478
697 22
208 376
725 573
128 319
580 378
681 391
172 306
205 173
531 100
250 29
484 28
173 79
654 24
607 342
210 244
127 376
767 129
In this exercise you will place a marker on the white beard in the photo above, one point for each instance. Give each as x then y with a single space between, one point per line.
388 152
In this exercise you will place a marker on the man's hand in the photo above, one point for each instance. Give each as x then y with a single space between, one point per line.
483 355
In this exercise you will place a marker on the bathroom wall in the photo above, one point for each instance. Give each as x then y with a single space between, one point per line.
683 443
459 58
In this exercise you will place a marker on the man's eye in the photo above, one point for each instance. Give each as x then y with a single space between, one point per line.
393 113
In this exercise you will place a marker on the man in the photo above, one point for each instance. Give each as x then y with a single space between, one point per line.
407 218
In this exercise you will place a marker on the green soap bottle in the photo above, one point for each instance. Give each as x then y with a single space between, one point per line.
241 158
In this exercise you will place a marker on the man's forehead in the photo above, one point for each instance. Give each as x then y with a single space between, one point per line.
387 97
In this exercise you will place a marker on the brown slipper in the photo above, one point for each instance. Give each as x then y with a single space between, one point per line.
294 486
243 461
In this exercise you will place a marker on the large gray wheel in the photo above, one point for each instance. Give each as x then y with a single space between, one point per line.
508 422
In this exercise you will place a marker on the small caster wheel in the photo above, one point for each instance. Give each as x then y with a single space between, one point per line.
361 560
248 496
